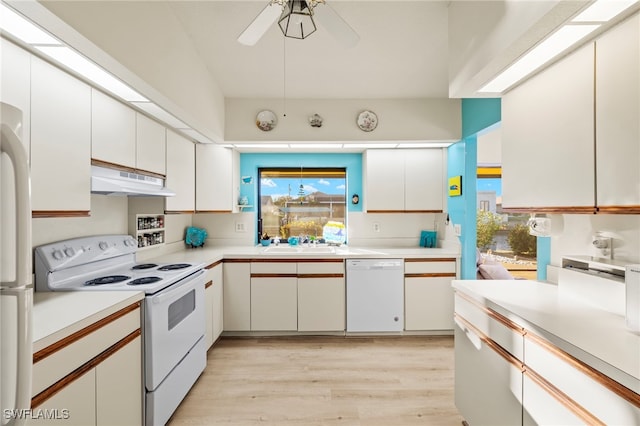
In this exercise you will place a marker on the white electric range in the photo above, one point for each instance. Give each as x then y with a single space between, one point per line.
174 308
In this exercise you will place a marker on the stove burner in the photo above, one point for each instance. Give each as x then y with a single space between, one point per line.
110 279
174 266
144 266
144 280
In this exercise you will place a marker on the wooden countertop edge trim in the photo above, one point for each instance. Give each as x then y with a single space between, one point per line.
563 399
429 259
615 387
213 265
61 344
287 260
38 214
492 344
47 393
618 209
283 275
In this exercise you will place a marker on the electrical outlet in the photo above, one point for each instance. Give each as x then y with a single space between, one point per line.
240 227
376 227
457 228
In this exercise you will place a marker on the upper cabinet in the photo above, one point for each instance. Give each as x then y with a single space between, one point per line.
618 118
217 178
113 131
548 141
571 134
60 142
404 180
150 145
180 174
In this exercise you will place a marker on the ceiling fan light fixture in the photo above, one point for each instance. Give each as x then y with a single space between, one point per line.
296 20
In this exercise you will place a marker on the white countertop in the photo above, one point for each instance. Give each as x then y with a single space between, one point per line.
57 315
594 336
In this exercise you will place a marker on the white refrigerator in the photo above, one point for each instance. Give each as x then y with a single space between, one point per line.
16 290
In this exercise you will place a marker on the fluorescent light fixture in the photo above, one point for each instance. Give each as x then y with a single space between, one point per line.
370 145
316 145
425 145
538 56
21 28
159 113
89 70
194 134
604 10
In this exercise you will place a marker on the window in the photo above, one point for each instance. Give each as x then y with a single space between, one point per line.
300 201
504 236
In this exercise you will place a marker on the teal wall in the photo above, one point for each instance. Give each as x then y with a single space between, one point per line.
250 163
478 114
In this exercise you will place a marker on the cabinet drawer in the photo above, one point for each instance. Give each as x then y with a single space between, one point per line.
58 360
498 328
598 397
321 267
273 267
425 266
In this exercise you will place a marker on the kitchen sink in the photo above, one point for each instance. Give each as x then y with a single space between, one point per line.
299 250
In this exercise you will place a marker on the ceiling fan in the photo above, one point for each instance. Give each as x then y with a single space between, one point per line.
297 19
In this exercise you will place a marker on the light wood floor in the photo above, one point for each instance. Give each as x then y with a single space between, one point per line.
389 381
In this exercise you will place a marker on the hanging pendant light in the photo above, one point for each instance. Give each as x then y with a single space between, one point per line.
296 20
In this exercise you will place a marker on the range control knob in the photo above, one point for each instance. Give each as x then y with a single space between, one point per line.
129 242
57 255
69 252
103 245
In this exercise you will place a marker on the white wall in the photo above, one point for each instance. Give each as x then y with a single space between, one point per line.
398 119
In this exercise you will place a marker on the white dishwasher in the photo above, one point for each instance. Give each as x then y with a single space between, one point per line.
375 295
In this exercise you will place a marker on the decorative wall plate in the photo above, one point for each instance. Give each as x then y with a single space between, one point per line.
367 121
266 120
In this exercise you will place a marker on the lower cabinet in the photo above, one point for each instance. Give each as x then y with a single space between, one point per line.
274 296
428 294
92 377
321 296
214 303
237 295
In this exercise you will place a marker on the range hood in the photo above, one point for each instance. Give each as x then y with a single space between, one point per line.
107 181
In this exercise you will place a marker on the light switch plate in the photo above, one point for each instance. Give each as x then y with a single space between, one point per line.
457 228
239 227
376 227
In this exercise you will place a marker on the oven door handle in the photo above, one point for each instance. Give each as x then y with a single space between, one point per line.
163 296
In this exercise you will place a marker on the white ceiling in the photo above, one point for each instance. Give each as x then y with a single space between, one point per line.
402 52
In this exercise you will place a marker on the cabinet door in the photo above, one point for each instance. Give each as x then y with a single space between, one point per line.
119 387
274 304
180 173
541 408
60 140
384 180
548 138
218 301
151 143
15 84
214 185
321 304
237 296
73 405
428 303
618 116
209 310
113 130
424 179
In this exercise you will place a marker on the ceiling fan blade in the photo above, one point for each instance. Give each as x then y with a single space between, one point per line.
335 25
260 24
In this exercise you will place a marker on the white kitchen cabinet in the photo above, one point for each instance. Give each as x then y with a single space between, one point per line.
402 180
428 294
214 303
548 139
237 295
274 296
60 142
113 130
180 174
118 387
15 83
151 140
618 117
217 178
321 296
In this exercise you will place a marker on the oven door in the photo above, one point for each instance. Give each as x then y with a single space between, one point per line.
174 322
